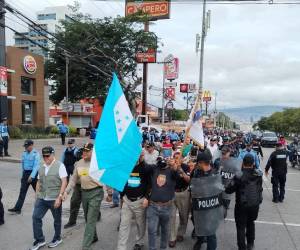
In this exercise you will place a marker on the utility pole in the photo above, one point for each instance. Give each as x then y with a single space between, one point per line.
202 47
3 96
67 87
145 78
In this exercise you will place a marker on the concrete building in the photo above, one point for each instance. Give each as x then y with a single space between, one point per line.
27 86
49 19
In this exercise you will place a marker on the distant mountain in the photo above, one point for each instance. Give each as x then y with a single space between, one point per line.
251 114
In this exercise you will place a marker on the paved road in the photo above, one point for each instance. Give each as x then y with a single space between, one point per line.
277 228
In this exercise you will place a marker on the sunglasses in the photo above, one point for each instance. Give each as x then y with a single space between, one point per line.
46 156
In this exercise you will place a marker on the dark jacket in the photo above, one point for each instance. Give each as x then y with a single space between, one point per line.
278 162
247 187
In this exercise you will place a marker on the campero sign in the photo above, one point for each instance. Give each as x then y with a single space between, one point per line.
156 9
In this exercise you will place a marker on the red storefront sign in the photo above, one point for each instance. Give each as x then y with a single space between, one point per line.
156 9
146 57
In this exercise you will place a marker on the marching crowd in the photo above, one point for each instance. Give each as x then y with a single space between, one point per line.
173 175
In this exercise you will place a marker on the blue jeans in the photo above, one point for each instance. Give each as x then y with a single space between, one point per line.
158 216
211 241
115 197
40 209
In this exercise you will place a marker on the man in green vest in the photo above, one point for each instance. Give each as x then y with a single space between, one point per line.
52 182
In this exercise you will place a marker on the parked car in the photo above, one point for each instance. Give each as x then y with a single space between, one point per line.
269 139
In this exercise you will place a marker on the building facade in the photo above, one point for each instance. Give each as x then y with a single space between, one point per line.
26 87
48 19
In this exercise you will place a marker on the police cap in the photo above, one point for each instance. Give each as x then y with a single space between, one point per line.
71 141
47 150
88 146
28 143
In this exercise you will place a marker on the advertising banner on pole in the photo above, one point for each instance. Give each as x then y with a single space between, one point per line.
171 68
156 9
3 81
170 93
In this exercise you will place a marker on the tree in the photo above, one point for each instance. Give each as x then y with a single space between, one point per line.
96 48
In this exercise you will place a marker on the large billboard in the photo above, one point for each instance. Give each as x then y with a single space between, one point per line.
171 68
156 9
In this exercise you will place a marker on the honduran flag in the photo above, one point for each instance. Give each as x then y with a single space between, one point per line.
118 141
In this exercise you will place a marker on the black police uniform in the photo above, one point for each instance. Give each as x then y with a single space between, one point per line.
278 163
1 209
257 148
69 160
248 188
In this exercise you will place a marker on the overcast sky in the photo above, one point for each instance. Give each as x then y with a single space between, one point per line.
252 53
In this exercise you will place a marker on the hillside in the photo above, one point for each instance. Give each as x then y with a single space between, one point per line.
251 114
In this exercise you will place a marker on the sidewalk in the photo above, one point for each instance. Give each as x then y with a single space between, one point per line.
15 147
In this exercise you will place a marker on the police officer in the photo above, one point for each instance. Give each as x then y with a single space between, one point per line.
249 150
63 130
278 163
1 209
248 189
92 195
30 167
257 148
206 202
228 167
4 137
69 157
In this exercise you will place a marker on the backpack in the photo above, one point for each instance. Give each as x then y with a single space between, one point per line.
251 191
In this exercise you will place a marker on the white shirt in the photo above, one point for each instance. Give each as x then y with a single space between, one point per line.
151 159
213 149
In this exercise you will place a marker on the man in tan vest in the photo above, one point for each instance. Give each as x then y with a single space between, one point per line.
52 182
92 195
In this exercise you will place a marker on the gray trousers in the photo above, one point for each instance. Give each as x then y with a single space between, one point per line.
182 204
138 212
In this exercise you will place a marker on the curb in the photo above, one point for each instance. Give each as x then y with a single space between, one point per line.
11 160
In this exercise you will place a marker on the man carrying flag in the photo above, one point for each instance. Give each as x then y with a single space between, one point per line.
113 161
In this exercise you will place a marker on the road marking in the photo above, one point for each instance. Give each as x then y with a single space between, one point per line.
271 223
288 189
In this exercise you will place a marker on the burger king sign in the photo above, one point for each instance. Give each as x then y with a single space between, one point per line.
29 64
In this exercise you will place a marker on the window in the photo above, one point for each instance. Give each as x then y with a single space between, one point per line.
27 112
47 16
27 86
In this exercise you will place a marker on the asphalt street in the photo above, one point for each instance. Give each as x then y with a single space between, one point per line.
277 228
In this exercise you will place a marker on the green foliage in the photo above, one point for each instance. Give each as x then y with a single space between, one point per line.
224 121
15 132
54 130
72 131
180 115
287 121
98 47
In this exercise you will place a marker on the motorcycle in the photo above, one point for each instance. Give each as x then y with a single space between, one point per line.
295 158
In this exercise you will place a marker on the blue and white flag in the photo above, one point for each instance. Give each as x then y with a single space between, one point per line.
195 127
118 141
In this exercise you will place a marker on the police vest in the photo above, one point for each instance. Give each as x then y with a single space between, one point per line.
70 158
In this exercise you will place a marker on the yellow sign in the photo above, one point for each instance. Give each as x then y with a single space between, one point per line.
206 96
